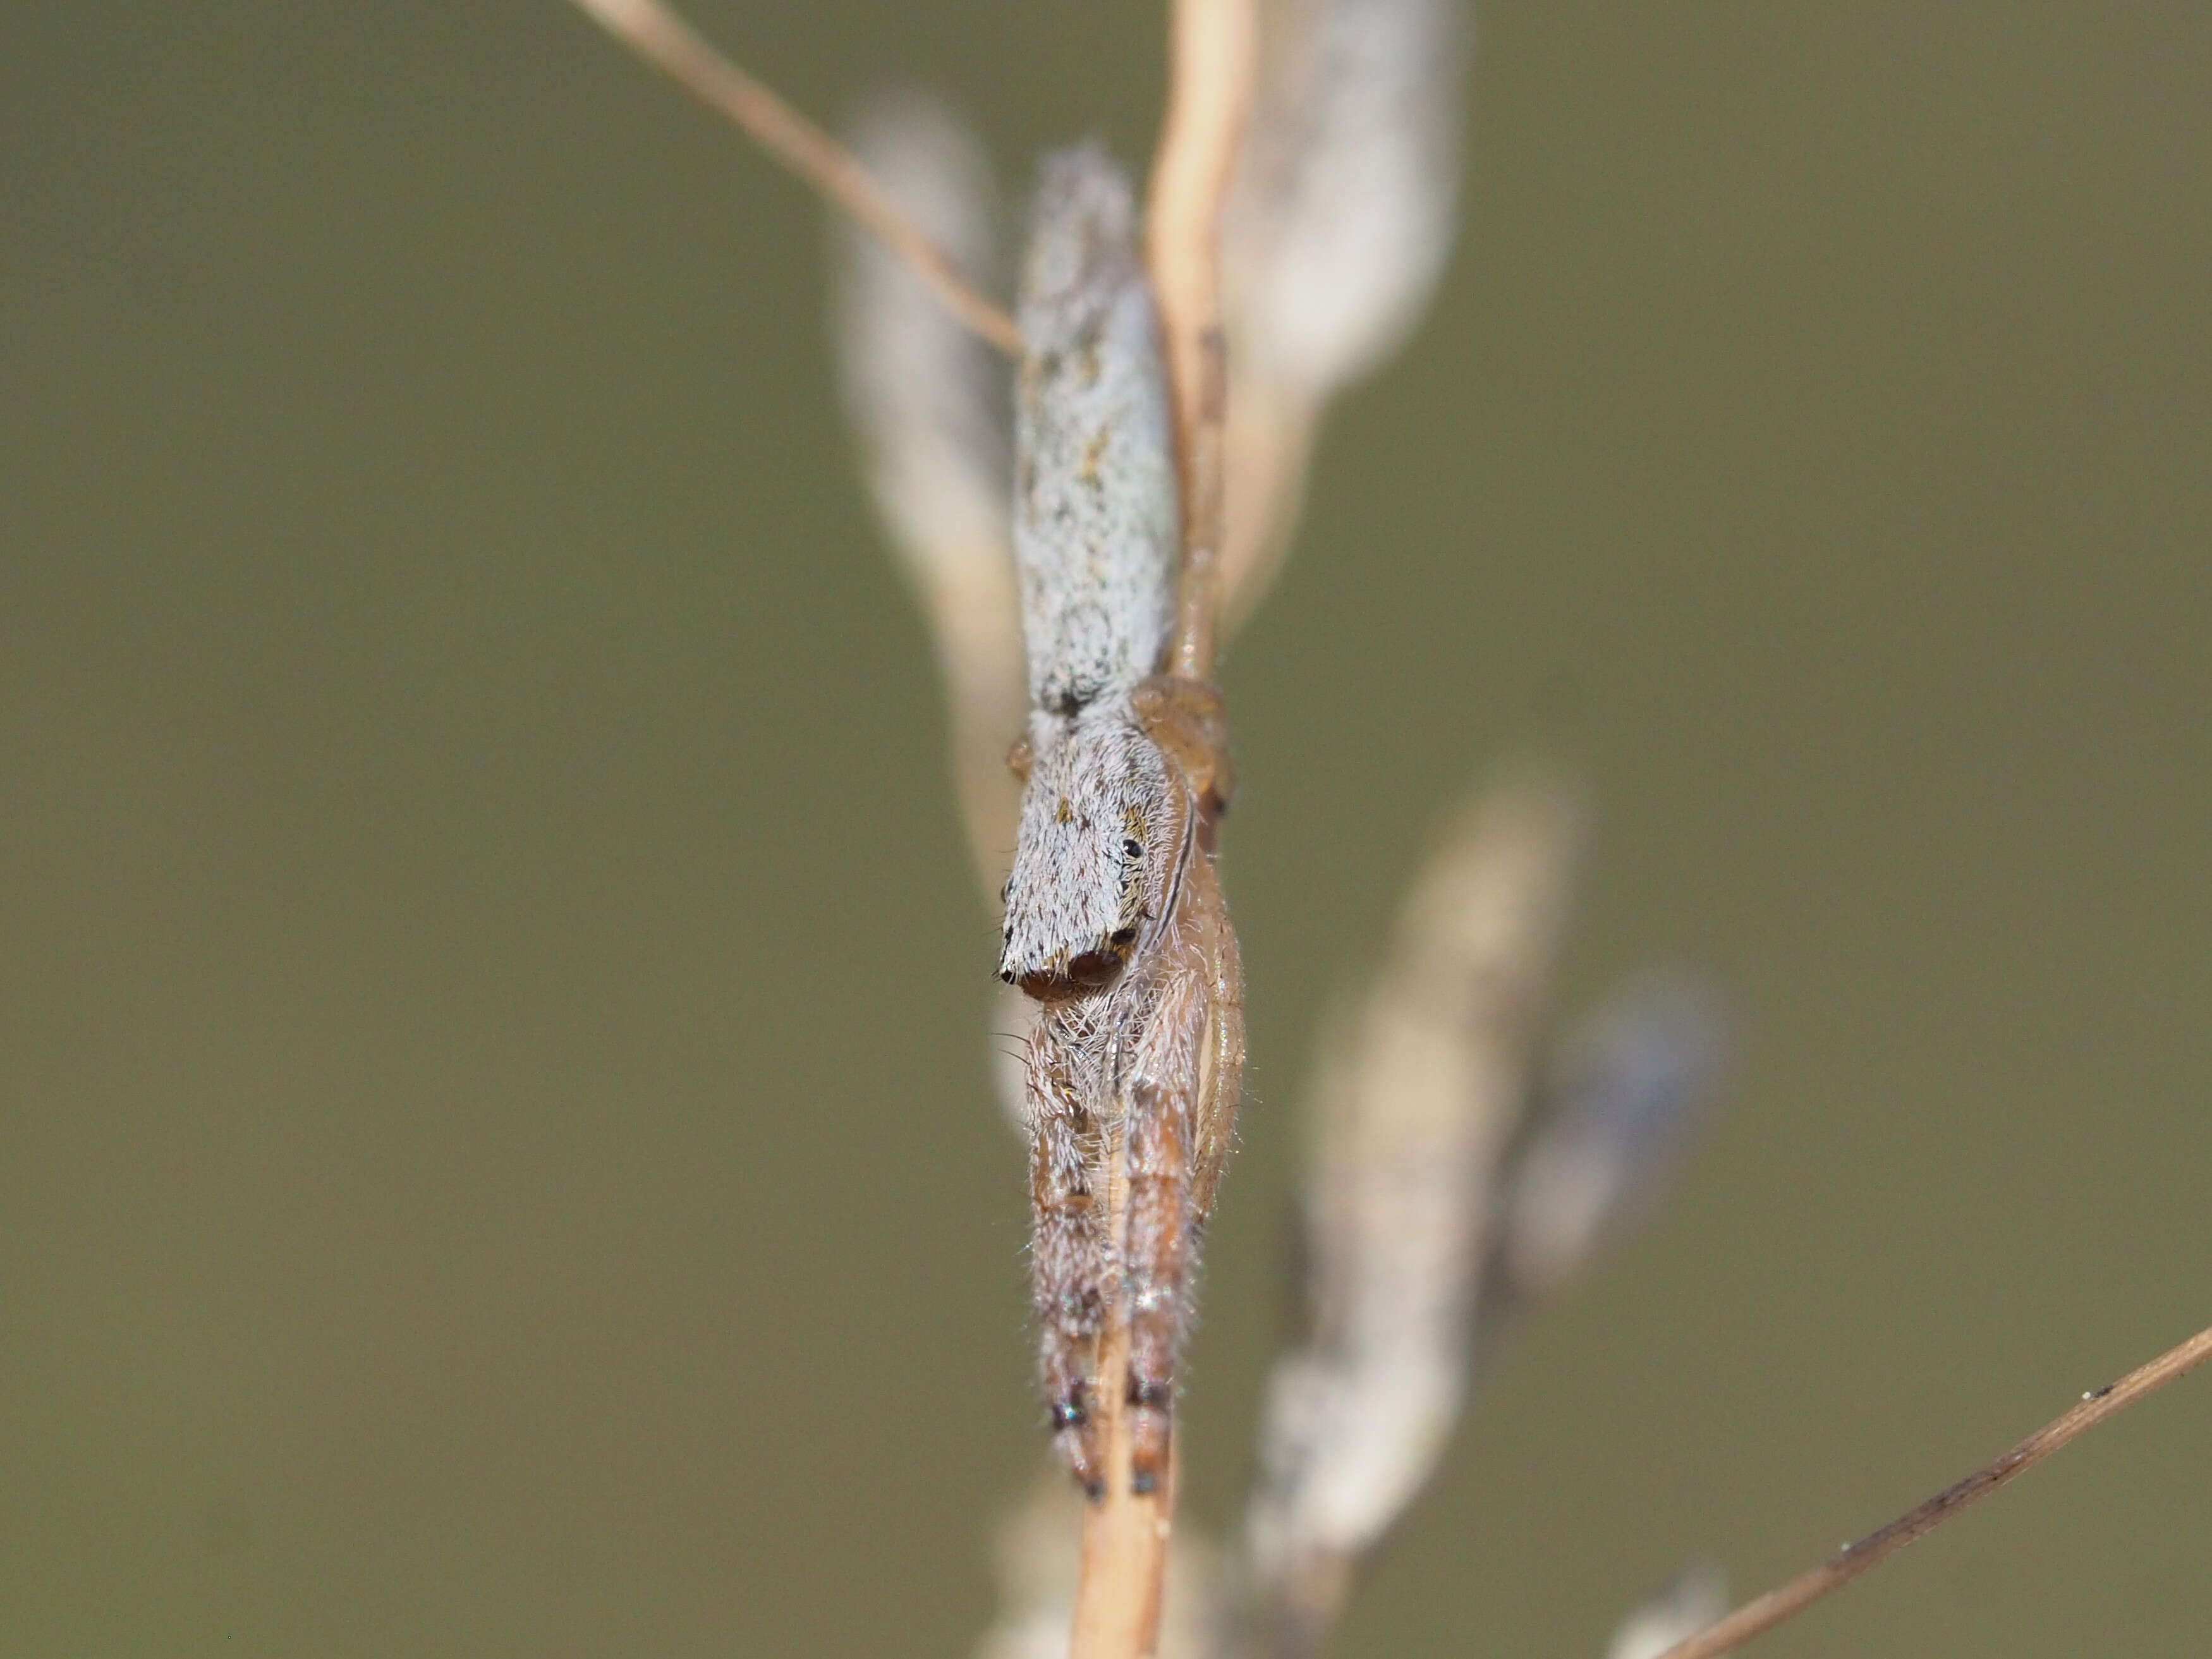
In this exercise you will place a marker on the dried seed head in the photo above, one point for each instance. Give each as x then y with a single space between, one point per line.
1633 1088
1416 1103
1694 1599
931 407
927 399
1346 211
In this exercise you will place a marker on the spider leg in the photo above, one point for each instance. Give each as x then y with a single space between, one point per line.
1182 1095
1215 1121
1070 1254
1184 717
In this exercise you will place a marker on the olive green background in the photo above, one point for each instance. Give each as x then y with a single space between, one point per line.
495 1153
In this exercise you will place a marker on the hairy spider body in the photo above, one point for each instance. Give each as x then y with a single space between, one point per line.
1114 919
1151 1054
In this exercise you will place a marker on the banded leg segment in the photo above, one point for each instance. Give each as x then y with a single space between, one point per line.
1070 1254
1159 1250
1182 1096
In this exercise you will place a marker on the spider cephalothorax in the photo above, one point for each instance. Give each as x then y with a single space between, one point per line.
1102 842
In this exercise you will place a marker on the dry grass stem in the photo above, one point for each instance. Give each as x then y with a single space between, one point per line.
1036 1556
1212 42
1125 1532
1754 1617
658 35
1212 48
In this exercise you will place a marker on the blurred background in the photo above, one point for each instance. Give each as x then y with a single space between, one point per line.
495 1151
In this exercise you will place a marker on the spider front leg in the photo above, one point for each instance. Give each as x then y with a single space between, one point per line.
1070 1256
1181 1100
1185 718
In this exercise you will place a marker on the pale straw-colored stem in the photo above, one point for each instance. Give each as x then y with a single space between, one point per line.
661 37
1213 50
1125 1534
1754 1617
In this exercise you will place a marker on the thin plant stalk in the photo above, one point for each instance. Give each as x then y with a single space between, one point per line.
1212 46
1125 1532
1214 54
1756 1617
658 35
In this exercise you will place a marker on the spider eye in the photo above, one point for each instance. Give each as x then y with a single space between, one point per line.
1132 847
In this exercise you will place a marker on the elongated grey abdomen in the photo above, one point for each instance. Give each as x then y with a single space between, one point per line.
1094 485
